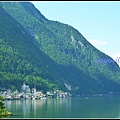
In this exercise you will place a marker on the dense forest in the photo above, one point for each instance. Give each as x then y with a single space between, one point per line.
50 54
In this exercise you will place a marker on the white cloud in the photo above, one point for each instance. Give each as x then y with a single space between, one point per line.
97 43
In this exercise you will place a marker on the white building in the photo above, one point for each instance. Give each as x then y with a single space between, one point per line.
25 88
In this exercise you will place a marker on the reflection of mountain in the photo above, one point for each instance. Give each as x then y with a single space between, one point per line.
93 107
49 54
58 108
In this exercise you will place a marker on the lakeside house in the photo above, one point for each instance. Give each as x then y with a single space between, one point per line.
27 93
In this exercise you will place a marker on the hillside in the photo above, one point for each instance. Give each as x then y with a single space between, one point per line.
70 60
20 59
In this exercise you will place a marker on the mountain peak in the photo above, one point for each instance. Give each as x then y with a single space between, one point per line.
30 8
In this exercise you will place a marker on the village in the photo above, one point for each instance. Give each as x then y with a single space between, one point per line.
33 94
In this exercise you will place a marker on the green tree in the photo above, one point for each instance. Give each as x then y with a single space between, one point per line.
3 111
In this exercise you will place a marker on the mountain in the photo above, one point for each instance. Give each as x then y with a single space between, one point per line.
21 60
55 54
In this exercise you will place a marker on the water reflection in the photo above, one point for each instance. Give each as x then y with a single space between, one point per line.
93 107
58 107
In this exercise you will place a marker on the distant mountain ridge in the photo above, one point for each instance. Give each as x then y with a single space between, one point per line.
70 58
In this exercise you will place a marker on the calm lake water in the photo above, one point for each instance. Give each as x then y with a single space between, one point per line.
91 107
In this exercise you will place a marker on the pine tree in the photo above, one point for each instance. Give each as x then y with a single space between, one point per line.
3 111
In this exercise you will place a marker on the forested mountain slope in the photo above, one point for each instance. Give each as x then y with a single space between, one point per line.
71 59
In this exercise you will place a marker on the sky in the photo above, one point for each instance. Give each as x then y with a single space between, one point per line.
98 22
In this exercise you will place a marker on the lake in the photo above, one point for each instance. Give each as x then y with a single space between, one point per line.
90 107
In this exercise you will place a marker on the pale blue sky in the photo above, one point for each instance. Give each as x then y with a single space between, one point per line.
98 22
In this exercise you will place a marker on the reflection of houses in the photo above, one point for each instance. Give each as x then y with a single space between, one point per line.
25 88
